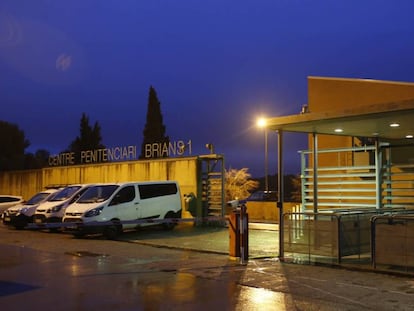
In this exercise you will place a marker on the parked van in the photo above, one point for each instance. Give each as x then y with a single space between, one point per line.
122 202
53 209
19 216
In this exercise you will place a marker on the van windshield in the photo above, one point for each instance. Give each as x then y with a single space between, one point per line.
37 198
97 194
65 193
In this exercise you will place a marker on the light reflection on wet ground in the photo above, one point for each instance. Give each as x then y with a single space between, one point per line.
262 243
41 271
90 281
261 299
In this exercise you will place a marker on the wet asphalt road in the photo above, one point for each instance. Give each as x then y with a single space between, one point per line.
44 271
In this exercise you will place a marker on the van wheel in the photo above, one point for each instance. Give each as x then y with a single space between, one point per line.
78 234
169 225
20 224
111 232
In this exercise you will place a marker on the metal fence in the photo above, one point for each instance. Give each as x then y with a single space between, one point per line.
337 236
392 239
362 203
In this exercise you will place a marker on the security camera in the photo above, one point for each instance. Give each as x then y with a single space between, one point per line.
210 147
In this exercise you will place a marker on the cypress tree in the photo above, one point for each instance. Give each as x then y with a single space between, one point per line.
154 130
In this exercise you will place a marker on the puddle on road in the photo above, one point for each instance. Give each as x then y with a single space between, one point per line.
85 254
10 288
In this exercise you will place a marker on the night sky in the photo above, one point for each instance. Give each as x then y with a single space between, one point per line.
217 65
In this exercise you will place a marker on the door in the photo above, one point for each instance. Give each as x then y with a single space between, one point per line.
125 204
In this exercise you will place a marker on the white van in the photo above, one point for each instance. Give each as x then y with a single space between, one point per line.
124 202
53 210
20 215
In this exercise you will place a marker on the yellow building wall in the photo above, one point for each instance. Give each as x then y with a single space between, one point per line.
330 94
268 211
28 183
23 183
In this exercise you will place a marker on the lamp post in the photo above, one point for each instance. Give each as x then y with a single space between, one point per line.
262 123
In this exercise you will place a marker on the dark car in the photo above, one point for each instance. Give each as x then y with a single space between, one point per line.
263 196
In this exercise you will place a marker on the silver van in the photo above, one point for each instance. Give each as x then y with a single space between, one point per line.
20 215
53 210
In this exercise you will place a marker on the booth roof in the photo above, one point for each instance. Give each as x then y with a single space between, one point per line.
378 120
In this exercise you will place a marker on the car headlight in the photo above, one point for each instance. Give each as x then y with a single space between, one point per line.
23 210
94 212
57 208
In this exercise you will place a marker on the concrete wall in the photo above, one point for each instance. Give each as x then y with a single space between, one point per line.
183 170
268 211
28 183
24 183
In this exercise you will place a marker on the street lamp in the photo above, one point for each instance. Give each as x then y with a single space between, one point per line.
262 123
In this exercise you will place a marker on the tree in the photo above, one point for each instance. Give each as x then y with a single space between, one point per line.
295 189
37 160
13 143
89 139
238 184
154 130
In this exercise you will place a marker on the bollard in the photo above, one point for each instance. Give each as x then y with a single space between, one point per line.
244 234
234 233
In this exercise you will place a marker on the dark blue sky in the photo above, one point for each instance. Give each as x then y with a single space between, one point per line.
216 65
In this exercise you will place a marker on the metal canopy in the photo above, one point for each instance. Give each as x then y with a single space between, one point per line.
367 121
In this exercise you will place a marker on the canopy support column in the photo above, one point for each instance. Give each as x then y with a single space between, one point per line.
315 172
280 191
378 174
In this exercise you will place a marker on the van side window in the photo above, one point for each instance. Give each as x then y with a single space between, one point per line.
124 195
156 190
